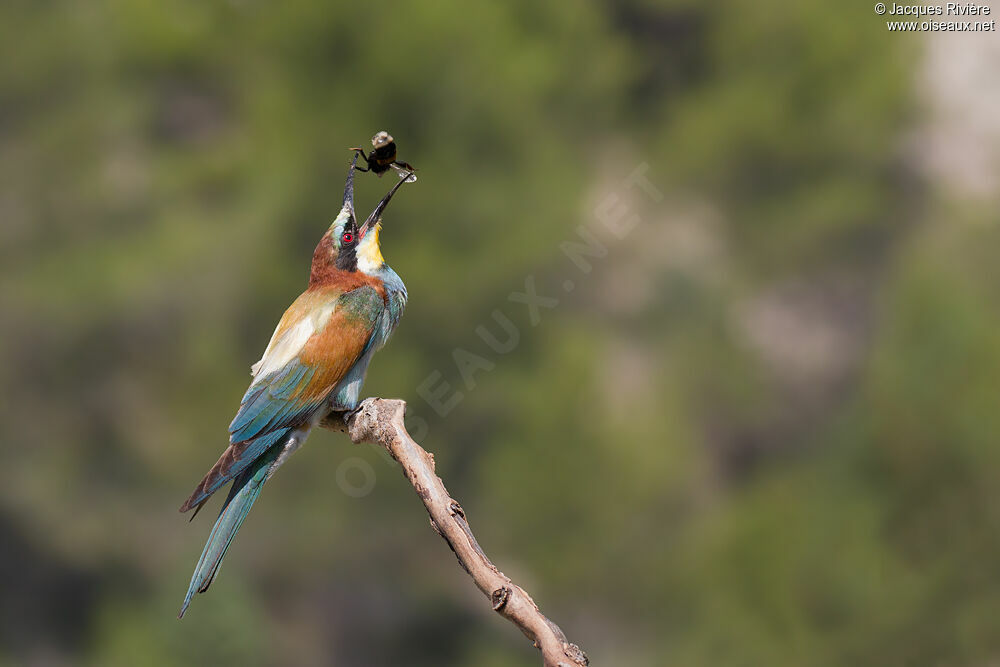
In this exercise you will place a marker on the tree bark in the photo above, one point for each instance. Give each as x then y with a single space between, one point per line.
380 421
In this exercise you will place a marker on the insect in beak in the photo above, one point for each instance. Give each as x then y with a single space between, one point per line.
383 156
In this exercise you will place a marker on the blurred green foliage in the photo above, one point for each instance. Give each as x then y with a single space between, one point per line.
762 431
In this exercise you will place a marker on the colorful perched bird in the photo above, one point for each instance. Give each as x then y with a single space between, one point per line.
315 362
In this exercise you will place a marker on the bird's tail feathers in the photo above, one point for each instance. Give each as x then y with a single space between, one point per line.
244 492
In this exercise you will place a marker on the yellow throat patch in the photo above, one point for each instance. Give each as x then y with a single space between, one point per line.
369 252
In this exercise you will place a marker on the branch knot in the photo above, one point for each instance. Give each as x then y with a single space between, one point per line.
499 598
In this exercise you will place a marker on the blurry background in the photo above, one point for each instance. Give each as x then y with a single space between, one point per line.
760 431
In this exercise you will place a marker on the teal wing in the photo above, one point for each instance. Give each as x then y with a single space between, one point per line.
309 355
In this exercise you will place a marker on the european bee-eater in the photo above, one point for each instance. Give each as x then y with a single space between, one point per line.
315 362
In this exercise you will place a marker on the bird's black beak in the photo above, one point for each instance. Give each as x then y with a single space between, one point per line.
349 190
376 215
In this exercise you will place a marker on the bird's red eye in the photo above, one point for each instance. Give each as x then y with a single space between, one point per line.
347 237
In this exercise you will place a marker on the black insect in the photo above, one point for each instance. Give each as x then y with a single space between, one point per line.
383 156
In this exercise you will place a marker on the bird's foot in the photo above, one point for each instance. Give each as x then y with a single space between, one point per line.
351 414
341 414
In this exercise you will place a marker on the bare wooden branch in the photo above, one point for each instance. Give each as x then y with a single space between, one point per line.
380 421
